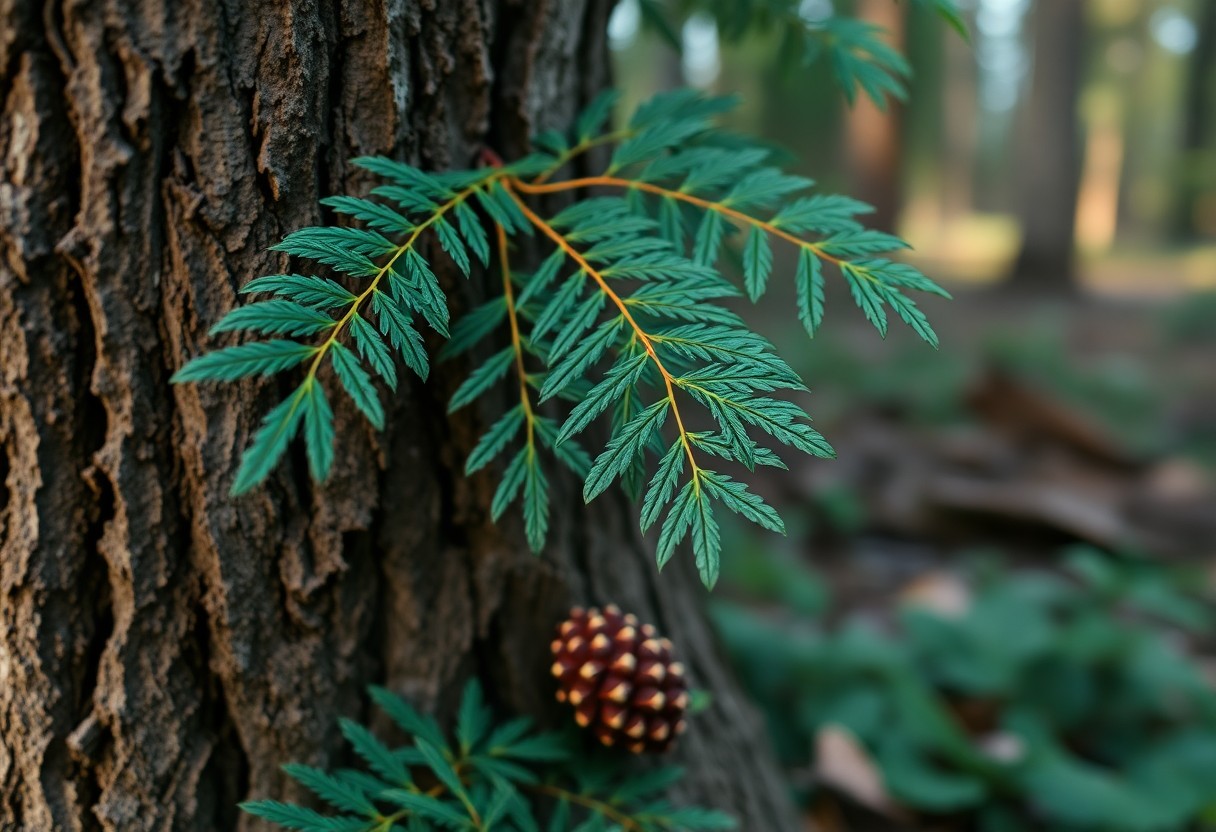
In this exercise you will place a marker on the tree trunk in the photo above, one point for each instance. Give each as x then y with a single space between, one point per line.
1049 147
165 647
1195 183
873 136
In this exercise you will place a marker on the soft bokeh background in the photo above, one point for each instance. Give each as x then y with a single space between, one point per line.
1093 117
995 610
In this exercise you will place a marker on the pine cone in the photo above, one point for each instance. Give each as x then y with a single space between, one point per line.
621 679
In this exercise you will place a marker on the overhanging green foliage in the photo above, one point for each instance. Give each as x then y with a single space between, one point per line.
624 317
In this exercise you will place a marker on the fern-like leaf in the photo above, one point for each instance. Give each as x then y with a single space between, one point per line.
490 774
623 317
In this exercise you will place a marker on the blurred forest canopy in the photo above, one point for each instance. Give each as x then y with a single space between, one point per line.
1068 138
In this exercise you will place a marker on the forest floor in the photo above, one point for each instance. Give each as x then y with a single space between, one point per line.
1069 437
1038 421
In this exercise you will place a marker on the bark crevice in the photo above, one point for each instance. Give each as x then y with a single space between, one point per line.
166 647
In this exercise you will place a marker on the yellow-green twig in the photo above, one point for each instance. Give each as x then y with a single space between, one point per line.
508 292
581 147
341 323
607 810
659 190
644 337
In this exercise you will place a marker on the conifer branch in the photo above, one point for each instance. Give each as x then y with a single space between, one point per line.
874 282
492 775
639 294
642 335
706 204
374 285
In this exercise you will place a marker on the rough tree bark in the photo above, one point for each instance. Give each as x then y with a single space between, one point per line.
1049 147
165 647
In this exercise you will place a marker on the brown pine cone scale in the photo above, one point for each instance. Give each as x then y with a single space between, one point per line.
621 679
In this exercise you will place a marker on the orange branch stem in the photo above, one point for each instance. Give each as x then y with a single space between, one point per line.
608 811
573 253
581 147
374 285
508 292
618 182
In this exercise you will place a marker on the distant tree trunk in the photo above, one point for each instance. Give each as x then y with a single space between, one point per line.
960 117
874 137
163 647
1049 147
1199 131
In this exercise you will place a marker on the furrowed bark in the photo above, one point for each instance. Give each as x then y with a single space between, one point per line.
165 647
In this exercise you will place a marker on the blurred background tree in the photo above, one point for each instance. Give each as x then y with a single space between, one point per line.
1048 155
993 611
1071 143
